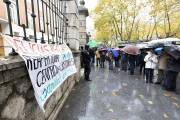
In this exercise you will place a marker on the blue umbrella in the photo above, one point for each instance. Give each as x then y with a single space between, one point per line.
116 54
158 50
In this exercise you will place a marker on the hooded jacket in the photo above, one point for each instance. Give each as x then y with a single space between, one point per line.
149 64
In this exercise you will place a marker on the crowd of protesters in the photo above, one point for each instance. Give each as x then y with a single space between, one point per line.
167 67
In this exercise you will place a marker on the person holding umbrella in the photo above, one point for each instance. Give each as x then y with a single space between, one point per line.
151 64
111 59
133 51
103 57
132 59
162 67
171 74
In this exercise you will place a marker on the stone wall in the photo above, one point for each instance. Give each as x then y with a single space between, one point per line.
17 99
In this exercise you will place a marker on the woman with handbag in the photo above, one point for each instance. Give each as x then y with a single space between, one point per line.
111 59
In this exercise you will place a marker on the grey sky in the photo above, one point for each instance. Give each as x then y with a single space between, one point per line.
90 4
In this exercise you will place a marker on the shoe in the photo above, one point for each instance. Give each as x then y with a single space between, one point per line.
88 80
166 89
130 74
146 81
151 81
157 83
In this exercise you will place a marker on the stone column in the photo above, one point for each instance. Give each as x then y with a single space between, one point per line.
83 13
73 24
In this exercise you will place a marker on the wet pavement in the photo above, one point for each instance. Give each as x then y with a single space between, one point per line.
114 95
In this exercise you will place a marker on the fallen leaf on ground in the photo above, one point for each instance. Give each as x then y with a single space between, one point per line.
124 84
175 103
3 59
73 89
141 76
167 95
150 102
174 98
117 90
111 110
165 115
136 79
141 96
69 114
67 106
114 94
162 96
177 106
102 91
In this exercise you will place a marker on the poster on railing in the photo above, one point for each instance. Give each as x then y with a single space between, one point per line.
48 65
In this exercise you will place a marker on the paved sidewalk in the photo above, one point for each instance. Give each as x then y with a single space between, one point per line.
114 95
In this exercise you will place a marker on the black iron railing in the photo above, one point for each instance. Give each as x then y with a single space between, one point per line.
56 20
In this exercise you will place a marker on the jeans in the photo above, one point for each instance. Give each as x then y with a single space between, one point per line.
97 60
91 61
142 65
149 74
110 65
132 68
102 64
171 80
137 63
117 63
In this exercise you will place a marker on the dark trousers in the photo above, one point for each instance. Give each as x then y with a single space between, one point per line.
171 80
149 74
132 65
116 63
82 64
142 65
97 60
102 64
87 70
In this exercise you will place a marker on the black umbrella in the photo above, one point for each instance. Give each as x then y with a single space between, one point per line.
147 48
159 45
123 45
172 51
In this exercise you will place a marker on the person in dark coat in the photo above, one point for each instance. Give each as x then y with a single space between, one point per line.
117 60
124 61
82 65
171 74
102 59
142 62
91 54
86 61
132 59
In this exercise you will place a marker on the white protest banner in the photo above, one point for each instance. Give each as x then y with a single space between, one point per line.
48 65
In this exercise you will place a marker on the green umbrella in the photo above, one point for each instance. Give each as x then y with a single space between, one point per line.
120 42
92 44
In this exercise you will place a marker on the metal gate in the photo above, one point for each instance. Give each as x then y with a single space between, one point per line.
56 21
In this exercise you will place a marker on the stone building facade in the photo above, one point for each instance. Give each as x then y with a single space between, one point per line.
17 100
83 13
